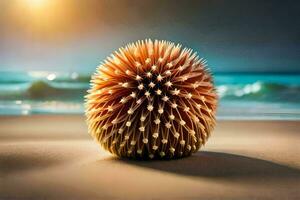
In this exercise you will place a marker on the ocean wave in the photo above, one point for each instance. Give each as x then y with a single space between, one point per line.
31 76
60 76
241 95
260 91
47 90
43 90
72 86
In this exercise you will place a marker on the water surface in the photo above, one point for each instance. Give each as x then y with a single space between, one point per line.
242 96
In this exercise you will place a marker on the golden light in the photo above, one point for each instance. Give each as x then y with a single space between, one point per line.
48 19
36 3
41 18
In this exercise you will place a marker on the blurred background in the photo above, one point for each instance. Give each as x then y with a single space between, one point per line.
49 49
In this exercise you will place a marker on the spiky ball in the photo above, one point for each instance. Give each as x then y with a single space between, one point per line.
151 100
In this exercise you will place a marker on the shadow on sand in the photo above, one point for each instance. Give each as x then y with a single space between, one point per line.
214 164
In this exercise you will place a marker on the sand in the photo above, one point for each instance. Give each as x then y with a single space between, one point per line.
53 157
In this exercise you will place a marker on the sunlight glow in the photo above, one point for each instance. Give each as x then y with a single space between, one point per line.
42 19
48 20
36 3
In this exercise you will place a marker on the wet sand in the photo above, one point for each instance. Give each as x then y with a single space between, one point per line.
53 157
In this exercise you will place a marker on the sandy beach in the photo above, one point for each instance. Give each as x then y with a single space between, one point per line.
53 157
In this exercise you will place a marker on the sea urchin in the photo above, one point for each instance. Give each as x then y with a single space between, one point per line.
151 100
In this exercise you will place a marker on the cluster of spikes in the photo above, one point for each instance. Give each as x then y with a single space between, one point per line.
151 99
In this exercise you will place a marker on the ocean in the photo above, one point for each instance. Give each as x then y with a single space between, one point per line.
242 95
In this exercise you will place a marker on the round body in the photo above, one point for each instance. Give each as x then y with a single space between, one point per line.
151 99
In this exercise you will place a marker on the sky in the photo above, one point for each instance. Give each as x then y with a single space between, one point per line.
75 35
